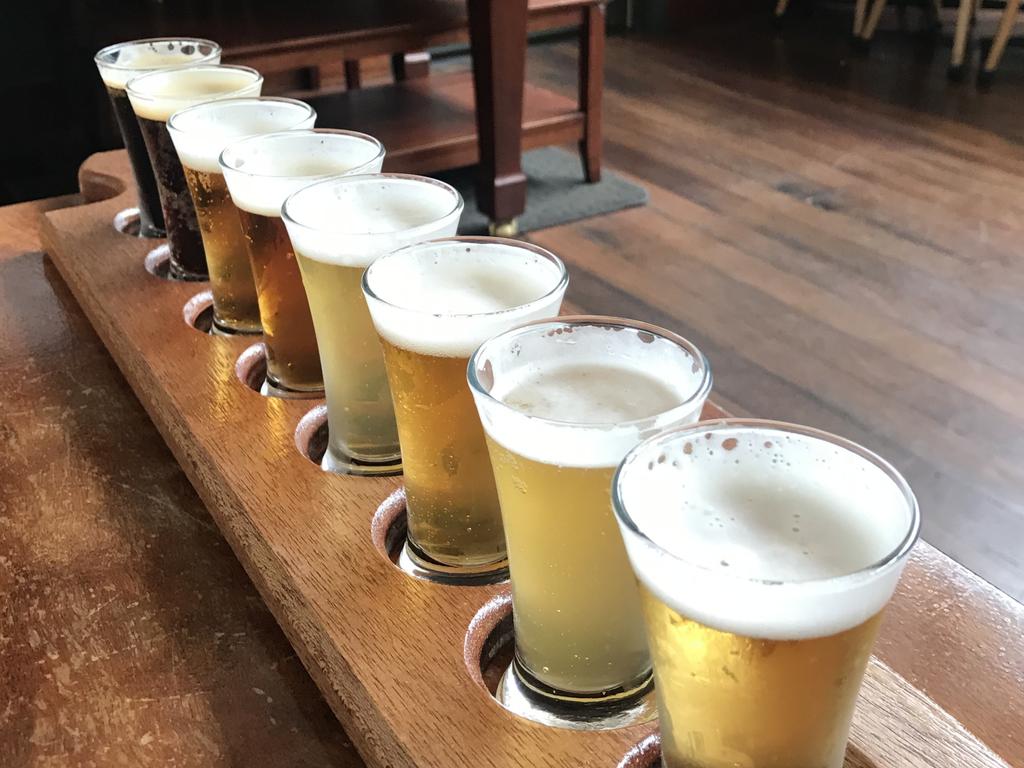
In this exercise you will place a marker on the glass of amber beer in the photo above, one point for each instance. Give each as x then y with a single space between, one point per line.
261 172
433 304
561 402
765 554
120 63
338 227
200 134
155 97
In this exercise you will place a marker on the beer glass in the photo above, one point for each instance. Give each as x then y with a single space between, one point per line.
765 553
433 304
155 97
200 134
117 65
261 172
338 227
561 402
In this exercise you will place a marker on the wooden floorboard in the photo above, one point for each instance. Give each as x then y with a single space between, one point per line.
847 253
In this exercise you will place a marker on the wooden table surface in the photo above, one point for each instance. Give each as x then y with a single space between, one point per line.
129 634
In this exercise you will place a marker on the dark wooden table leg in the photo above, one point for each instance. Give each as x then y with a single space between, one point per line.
591 82
353 74
410 65
497 31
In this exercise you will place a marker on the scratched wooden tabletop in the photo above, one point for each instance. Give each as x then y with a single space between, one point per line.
130 635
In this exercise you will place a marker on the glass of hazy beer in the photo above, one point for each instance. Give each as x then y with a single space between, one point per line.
562 402
433 304
261 172
120 63
200 134
155 97
338 227
765 554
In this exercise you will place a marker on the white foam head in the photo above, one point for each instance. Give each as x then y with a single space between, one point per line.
201 133
351 221
263 171
581 392
765 530
158 95
121 62
446 297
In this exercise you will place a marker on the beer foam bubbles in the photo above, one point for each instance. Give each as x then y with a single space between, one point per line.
263 171
158 95
446 297
351 221
119 63
201 133
583 393
765 532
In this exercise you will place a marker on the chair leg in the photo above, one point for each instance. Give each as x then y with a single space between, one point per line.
963 25
859 11
871 23
353 75
1006 24
410 65
591 86
780 7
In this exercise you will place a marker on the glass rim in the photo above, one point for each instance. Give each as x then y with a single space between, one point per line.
699 394
132 88
563 278
237 100
107 49
366 178
225 164
890 560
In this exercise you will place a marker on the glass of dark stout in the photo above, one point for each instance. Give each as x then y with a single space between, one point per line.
118 64
155 97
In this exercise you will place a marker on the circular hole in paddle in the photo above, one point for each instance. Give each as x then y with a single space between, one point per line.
388 528
489 646
127 222
251 367
158 262
645 754
311 434
198 312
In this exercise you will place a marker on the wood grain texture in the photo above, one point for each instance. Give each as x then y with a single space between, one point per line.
129 635
386 650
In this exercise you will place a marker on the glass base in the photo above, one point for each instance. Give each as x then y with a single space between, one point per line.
158 262
519 692
178 272
219 329
418 564
272 389
347 465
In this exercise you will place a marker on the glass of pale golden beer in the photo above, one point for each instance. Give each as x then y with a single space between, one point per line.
155 97
338 227
261 172
765 554
120 63
433 304
561 402
200 134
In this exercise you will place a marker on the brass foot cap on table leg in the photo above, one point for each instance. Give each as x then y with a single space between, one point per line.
508 228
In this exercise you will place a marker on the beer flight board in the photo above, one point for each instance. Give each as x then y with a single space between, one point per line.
408 666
